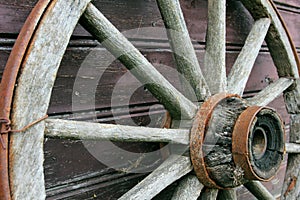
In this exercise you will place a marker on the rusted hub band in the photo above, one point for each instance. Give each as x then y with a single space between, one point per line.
232 143
258 143
198 131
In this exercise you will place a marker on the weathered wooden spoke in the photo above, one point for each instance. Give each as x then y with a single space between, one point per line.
95 22
171 170
189 188
268 94
242 67
292 148
182 47
258 190
67 129
209 194
224 127
227 194
214 61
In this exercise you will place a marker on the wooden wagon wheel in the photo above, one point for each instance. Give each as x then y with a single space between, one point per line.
30 73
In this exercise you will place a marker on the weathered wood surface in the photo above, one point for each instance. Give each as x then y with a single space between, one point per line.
126 15
227 194
258 190
214 60
209 194
76 130
183 49
271 92
292 148
291 186
189 188
177 104
218 142
276 39
244 63
26 169
169 171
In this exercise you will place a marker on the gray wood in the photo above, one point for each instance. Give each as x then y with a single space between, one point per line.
244 63
214 60
292 101
209 194
121 48
171 170
291 186
227 194
189 188
182 47
218 142
292 148
277 39
32 97
259 191
56 128
270 93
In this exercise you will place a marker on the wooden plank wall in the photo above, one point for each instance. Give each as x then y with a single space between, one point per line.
68 164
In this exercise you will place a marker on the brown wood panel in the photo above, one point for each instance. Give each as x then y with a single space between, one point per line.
288 3
292 21
126 15
262 74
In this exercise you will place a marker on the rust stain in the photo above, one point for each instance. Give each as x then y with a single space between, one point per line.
198 131
291 186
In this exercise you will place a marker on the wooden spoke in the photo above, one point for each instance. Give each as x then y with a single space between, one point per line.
214 61
242 67
171 170
120 47
227 194
209 194
292 148
182 47
57 128
268 94
258 190
189 188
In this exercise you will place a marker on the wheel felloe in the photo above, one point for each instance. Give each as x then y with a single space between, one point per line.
232 143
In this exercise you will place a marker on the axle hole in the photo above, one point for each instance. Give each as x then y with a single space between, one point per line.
259 143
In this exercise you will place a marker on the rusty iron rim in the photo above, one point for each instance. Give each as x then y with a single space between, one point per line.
197 136
240 141
7 86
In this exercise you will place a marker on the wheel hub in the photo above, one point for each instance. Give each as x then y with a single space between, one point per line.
232 142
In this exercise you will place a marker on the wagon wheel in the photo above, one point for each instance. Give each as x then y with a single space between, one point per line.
245 133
